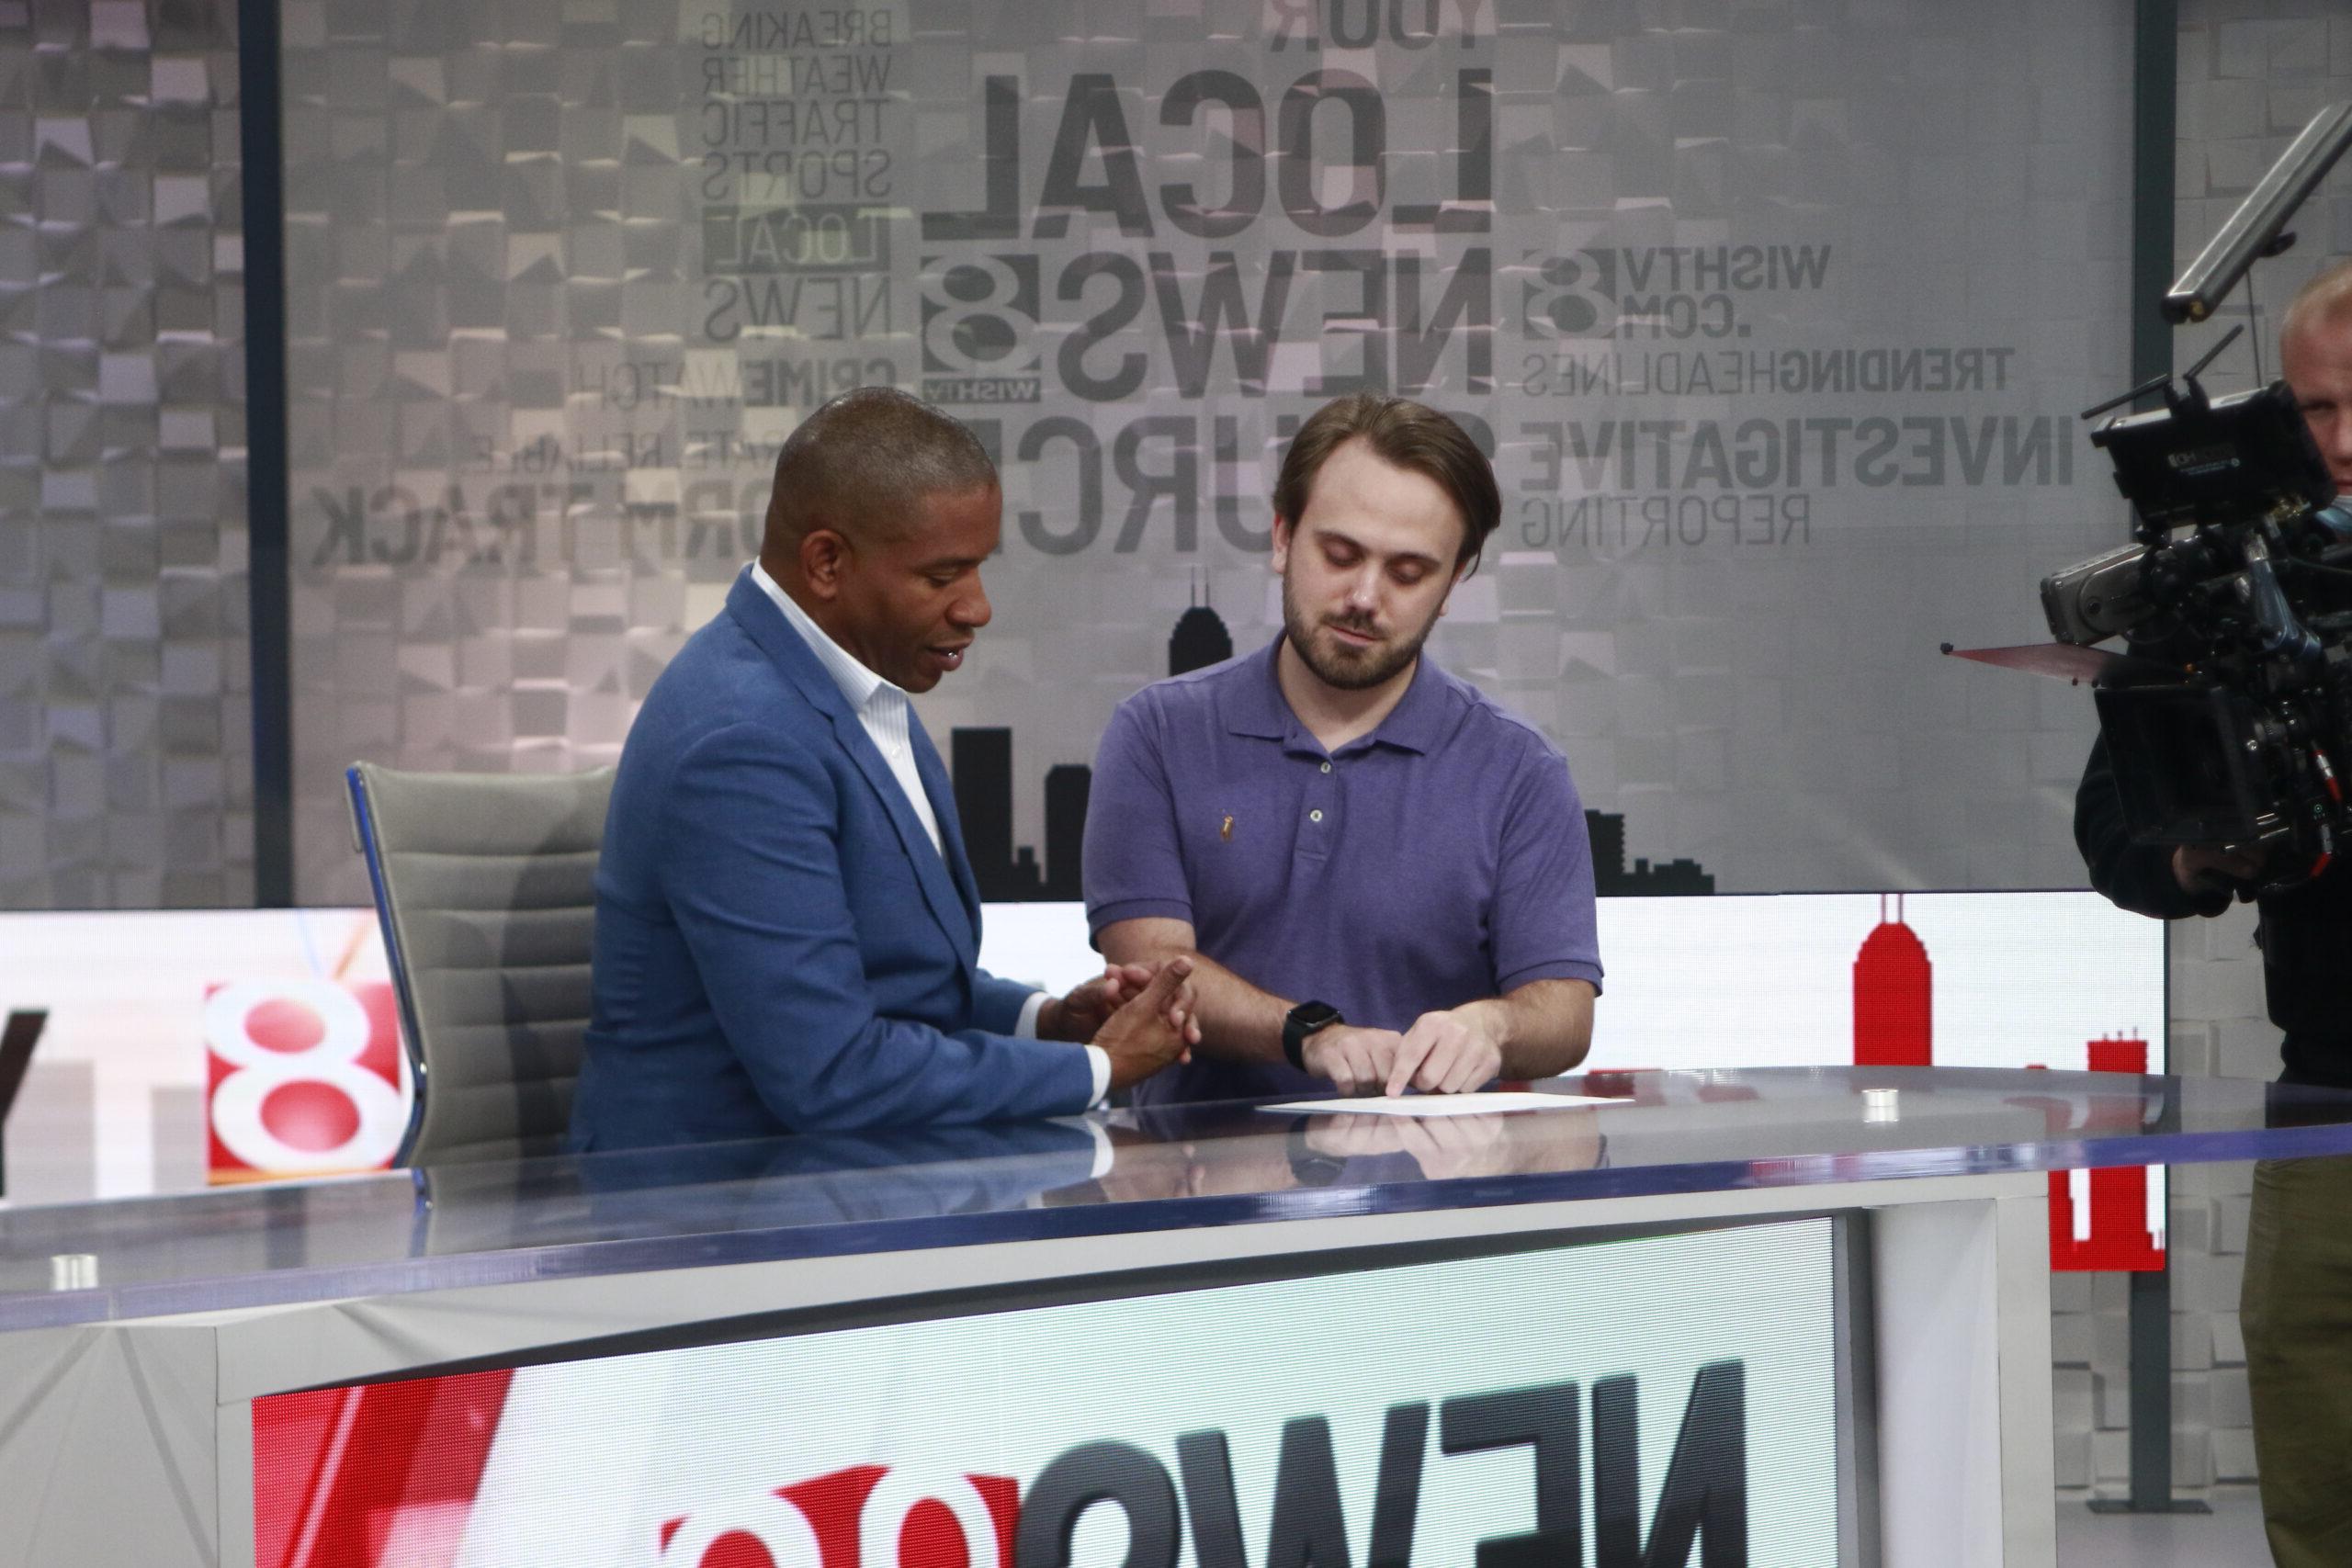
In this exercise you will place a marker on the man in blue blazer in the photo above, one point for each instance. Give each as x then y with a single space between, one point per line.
787 930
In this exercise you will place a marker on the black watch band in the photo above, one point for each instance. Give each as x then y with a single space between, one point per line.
1312 1169
1301 1021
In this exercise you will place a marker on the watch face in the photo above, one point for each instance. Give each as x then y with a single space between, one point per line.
1301 1021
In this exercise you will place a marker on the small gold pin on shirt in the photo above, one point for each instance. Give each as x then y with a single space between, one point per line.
1225 832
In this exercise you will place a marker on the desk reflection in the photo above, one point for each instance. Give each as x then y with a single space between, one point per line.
1155 1154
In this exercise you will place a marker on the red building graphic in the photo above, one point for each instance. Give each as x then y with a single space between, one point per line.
1893 996
1894 1027
2118 1236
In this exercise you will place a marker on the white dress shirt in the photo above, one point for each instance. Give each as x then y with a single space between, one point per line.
888 718
882 709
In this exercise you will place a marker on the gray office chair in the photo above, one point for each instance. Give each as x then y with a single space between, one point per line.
485 887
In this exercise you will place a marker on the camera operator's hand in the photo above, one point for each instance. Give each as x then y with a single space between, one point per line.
2203 870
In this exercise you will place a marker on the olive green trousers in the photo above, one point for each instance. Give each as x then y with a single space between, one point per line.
2296 1308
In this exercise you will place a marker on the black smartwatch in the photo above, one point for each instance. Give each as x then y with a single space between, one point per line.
1301 1021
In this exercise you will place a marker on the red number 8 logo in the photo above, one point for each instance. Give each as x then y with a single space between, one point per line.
309 1067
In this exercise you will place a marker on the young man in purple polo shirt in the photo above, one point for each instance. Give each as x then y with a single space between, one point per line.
1381 878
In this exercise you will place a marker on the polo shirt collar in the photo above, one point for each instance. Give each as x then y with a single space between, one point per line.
858 684
1256 707
1416 722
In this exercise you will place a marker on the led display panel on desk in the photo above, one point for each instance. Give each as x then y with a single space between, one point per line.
1653 1400
174 1049
2063 980
1808 980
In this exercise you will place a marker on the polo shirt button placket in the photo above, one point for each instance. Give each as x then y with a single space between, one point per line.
1316 837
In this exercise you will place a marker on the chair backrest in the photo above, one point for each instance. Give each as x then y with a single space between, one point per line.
485 887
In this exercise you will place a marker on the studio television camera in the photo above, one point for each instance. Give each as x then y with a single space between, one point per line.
2229 720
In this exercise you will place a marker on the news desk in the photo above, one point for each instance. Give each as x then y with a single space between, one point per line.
1782 1316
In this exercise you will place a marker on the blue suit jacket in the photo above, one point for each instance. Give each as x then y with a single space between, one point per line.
778 947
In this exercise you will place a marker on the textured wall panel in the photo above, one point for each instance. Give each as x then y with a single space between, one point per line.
125 719
1778 315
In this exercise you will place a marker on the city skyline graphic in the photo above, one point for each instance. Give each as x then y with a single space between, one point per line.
1611 877
980 765
1201 637
2098 1219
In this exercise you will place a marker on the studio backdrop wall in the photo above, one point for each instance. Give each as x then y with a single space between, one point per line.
1776 316
126 735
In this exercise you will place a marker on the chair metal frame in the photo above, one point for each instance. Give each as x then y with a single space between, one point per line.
363 832
366 838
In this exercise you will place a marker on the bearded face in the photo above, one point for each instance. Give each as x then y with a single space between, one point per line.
1366 568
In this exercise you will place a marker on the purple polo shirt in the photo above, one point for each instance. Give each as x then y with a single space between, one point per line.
1440 859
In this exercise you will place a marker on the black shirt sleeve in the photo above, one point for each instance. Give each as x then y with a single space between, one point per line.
2133 876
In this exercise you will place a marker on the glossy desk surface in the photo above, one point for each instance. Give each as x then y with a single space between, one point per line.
1114 1172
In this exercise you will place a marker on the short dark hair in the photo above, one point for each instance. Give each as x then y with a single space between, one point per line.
1409 435
863 462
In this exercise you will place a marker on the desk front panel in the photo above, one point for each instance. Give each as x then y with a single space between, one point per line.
1581 1401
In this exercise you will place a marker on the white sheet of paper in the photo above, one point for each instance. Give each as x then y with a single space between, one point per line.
1440 1104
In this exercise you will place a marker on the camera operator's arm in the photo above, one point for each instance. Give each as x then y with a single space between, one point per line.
2148 879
